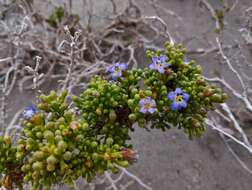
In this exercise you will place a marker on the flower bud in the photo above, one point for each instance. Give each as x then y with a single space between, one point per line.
62 145
57 132
67 156
142 122
129 154
63 166
208 92
26 178
20 148
7 140
98 111
132 117
123 163
106 156
57 152
52 95
51 160
50 167
217 98
148 92
35 175
94 144
131 103
74 125
43 98
137 97
95 156
112 115
58 138
224 96
38 155
37 166
109 141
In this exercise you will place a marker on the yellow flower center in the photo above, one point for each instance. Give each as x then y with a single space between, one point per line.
147 106
117 69
179 98
159 64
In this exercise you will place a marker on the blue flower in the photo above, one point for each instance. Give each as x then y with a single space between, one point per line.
159 63
116 70
147 105
186 61
179 99
29 112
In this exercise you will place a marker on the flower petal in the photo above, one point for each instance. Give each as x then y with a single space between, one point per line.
30 111
175 106
186 60
117 65
178 91
185 96
151 110
167 65
116 75
163 58
143 110
153 103
123 66
183 104
142 102
111 69
155 59
148 99
161 69
171 95
152 66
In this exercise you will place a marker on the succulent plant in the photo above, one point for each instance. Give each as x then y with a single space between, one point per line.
59 145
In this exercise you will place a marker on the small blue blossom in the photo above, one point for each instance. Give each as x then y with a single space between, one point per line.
147 105
29 112
179 99
186 61
116 70
159 63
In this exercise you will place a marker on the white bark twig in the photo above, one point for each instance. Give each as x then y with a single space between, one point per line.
138 180
13 121
230 66
112 183
213 13
244 166
214 127
172 41
237 126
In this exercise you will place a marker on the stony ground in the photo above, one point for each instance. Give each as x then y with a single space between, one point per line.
169 161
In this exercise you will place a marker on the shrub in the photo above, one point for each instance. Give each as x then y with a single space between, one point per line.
63 140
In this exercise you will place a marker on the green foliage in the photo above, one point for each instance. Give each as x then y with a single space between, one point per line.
104 106
7 153
56 16
122 98
220 15
9 165
60 145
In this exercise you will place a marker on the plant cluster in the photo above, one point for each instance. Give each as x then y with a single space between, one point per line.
10 172
61 147
59 144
